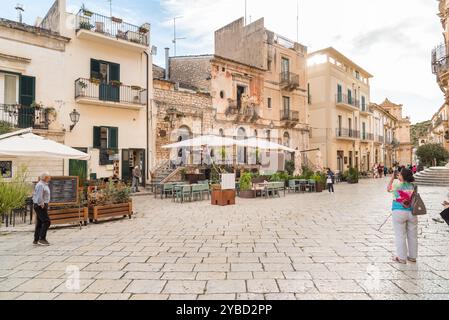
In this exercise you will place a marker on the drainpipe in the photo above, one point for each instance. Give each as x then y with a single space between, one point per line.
167 64
147 118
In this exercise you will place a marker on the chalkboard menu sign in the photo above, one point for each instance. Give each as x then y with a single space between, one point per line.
63 190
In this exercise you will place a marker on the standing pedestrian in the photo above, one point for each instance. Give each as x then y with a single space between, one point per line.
445 213
404 222
41 199
137 174
385 171
330 180
381 170
415 169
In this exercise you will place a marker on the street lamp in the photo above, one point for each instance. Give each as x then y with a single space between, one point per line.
75 118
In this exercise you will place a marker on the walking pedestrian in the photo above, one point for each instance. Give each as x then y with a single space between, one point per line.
330 180
41 199
405 223
415 169
137 174
381 170
385 171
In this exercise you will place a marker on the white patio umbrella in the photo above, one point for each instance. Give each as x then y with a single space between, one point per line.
263 144
28 144
208 140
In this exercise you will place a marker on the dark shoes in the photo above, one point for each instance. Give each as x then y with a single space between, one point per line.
35 243
44 243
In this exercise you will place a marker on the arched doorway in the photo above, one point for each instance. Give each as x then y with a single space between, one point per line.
183 154
242 152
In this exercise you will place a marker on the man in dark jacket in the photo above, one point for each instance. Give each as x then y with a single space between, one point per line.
445 213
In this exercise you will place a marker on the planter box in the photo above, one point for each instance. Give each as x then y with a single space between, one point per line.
249 194
111 211
68 215
223 197
319 187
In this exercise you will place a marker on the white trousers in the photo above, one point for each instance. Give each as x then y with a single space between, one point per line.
406 233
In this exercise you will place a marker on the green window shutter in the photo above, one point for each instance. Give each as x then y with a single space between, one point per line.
94 69
113 138
114 72
97 137
27 90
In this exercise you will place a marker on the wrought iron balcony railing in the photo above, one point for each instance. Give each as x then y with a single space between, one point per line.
440 59
111 27
23 117
380 139
287 115
289 80
367 136
341 98
347 133
110 92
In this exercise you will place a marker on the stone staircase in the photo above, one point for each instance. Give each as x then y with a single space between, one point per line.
436 176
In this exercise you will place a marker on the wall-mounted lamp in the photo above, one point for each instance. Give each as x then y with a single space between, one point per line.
75 118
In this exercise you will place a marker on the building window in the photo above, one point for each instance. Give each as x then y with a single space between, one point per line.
222 94
363 103
339 93
221 133
6 169
269 106
285 67
269 65
286 104
357 75
309 97
241 91
106 139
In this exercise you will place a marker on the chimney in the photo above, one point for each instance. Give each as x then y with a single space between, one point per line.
167 63
19 9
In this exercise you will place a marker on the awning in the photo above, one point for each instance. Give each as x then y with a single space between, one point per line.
209 140
26 144
263 145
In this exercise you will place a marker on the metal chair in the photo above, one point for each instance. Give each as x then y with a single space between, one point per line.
167 189
312 185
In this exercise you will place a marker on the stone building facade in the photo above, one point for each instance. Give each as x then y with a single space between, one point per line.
180 114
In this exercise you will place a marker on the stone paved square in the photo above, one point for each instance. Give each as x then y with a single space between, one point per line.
303 246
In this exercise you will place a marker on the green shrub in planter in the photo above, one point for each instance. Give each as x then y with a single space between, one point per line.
13 194
353 176
246 182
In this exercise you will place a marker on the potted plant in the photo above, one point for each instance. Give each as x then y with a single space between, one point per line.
114 200
115 83
13 194
320 179
246 184
95 81
116 20
353 176
87 13
143 30
136 88
85 25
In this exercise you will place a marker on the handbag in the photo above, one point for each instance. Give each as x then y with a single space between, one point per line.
418 206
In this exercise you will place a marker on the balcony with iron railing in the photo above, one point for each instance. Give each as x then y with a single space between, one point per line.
289 81
22 117
380 139
440 59
290 116
347 101
367 136
95 26
112 94
344 133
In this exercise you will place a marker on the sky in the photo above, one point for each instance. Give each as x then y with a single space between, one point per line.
392 39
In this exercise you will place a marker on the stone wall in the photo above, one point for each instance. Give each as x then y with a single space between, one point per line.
179 108
192 72
51 20
158 72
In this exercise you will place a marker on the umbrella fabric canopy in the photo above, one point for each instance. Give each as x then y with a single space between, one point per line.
263 144
31 145
210 141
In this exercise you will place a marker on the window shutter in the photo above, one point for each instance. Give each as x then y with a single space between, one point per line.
113 138
27 90
94 69
114 70
97 138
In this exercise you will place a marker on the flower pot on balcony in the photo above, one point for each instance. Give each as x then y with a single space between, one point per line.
116 20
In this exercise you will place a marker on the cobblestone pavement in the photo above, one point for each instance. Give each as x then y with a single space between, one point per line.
312 246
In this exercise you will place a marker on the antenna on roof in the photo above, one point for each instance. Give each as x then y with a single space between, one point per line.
19 9
175 38
297 21
110 7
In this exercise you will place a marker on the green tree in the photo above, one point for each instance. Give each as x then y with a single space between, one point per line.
432 155
5 127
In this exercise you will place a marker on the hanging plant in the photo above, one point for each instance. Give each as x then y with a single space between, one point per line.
115 83
88 13
143 30
116 20
95 80
136 88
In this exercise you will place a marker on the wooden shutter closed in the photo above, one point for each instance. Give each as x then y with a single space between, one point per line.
113 138
94 69
27 90
114 72
97 137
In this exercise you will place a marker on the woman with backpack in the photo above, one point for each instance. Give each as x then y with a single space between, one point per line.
405 223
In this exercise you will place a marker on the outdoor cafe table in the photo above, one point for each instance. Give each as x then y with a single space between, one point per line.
265 186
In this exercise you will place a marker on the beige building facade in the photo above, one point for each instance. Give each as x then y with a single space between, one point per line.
439 133
340 114
85 64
